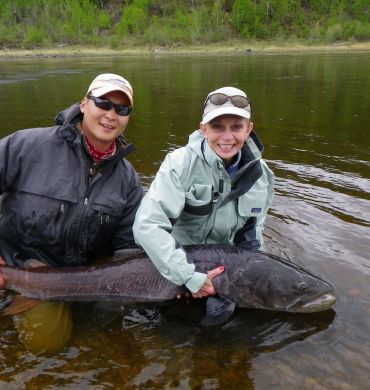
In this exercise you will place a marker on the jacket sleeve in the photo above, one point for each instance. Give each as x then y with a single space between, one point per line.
250 236
164 202
4 150
10 159
124 237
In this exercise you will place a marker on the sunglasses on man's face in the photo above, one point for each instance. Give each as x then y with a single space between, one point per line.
219 99
107 105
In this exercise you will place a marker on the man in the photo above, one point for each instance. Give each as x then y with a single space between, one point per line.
68 196
216 189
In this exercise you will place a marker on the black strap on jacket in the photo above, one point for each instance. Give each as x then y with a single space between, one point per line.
204 209
244 180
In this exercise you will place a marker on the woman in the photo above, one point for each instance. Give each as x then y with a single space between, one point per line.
216 189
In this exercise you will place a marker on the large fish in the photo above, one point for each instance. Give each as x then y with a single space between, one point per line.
251 279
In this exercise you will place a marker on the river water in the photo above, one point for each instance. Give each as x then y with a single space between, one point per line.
312 113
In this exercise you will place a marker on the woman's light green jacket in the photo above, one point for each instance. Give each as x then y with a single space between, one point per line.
190 178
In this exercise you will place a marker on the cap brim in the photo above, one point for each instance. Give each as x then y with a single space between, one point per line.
225 111
97 92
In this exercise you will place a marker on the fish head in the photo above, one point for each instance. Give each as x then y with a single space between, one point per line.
269 282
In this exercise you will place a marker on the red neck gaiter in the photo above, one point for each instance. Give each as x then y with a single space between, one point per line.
96 154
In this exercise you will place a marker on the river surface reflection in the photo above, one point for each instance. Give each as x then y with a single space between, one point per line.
311 112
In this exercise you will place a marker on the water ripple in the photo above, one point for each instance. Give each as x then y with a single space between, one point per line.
336 179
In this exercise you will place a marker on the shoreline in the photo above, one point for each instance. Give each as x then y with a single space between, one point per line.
234 48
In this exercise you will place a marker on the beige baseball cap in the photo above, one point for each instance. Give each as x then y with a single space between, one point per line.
108 82
212 111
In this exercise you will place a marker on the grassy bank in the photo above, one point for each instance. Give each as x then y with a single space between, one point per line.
117 24
232 47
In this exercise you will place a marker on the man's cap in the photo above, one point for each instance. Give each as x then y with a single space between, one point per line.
212 111
108 82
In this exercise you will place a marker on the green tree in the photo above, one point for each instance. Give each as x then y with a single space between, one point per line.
246 18
29 23
134 18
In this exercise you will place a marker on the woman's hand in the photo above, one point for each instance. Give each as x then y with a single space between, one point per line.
207 288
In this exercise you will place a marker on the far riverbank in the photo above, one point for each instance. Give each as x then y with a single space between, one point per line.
233 48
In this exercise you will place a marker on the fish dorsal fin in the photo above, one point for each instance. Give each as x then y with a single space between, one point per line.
218 311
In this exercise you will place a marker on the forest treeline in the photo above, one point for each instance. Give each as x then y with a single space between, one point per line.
119 24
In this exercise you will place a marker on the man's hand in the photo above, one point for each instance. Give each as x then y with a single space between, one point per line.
2 262
207 288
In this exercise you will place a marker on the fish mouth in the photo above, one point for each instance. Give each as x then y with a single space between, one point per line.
321 303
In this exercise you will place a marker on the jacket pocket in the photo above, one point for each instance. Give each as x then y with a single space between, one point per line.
192 225
43 225
103 223
253 203
199 200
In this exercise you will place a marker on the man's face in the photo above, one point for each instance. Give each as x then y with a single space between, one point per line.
226 135
102 127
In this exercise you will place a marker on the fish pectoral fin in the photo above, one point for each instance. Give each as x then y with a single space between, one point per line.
17 305
218 311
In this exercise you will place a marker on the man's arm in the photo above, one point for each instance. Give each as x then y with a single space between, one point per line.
124 237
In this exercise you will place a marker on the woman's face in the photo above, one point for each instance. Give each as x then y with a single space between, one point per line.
226 135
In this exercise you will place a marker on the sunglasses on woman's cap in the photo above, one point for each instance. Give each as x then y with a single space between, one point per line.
107 105
218 99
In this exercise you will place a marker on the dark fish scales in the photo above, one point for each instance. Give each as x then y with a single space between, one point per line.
251 279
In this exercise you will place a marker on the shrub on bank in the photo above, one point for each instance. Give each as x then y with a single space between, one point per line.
43 23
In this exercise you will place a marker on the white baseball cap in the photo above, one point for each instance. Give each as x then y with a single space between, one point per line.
108 82
212 110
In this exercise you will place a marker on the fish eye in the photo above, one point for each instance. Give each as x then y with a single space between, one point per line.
301 286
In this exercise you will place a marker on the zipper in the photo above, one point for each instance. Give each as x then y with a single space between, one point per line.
221 186
89 172
104 219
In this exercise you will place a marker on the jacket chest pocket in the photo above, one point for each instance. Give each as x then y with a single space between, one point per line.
253 203
104 216
192 224
42 218
199 199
